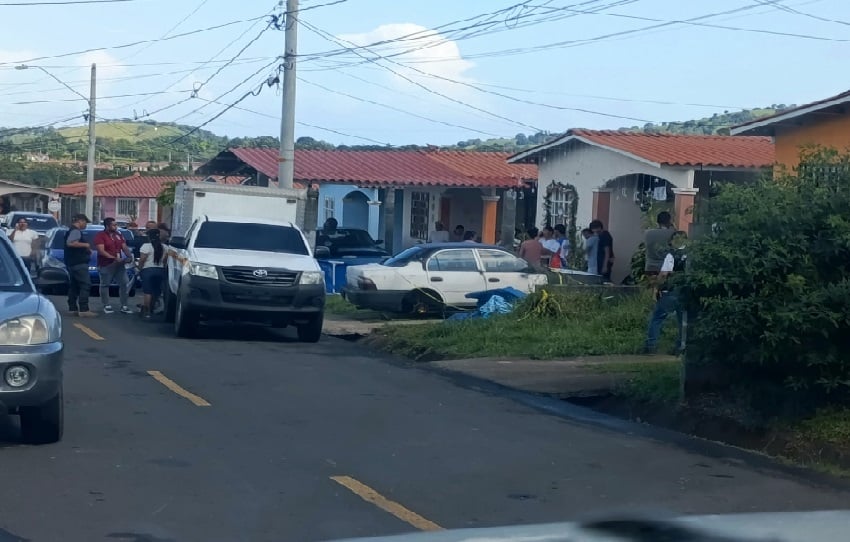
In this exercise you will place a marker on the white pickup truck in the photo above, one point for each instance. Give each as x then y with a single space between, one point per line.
244 270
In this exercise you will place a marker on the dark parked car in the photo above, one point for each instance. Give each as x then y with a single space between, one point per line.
347 247
54 256
31 349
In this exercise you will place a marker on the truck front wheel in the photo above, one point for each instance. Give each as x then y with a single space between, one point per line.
185 320
312 330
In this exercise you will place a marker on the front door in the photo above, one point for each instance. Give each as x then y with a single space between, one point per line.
453 273
503 269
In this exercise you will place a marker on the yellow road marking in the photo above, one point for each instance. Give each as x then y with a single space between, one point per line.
88 331
176 388
371 496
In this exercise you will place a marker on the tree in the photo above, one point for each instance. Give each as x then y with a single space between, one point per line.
771 285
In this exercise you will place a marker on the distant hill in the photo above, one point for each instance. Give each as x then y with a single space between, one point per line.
129 130
127 141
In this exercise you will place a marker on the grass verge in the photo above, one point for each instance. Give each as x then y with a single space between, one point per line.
543 326
335 304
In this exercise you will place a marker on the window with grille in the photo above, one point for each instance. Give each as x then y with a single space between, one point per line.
560 201
128 208
329 207
420 203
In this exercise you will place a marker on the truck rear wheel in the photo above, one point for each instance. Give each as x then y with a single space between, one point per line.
312 330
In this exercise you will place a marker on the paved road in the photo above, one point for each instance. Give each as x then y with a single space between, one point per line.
248 435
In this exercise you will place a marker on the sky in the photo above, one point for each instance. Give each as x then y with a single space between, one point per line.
412 72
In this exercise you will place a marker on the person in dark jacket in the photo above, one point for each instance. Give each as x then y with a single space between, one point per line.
77 256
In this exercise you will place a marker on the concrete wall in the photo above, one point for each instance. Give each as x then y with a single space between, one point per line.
338 193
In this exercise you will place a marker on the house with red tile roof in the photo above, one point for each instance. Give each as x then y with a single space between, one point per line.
399 195
825 123
128 199
618 177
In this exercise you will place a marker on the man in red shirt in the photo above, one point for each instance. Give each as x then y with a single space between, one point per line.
112 255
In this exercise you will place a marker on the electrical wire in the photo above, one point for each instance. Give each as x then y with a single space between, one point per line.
133 44
63 3
330 130
420 85
397 109
169 31
480 89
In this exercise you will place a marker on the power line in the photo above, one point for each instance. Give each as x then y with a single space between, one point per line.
240 108
397 109
420 85
169 31
133 44
65 3
486 91
233 88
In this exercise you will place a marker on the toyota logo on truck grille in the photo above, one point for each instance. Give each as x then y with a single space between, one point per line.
261 273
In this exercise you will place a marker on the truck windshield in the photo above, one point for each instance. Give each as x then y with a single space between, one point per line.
260 237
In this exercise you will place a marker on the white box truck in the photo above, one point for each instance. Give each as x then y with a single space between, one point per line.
237 254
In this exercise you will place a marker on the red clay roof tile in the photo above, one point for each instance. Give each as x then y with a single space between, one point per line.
136 186
395 168
676 150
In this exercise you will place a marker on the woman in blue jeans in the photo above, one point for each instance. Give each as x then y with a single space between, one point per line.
152 266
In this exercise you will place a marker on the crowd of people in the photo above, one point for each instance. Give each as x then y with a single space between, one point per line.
116 264
550 248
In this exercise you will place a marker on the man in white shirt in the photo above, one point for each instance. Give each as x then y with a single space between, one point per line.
24 239
439 235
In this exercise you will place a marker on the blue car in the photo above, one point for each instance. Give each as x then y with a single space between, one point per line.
54 255
347 247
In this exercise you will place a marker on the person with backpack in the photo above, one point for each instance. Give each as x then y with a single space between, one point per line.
666 296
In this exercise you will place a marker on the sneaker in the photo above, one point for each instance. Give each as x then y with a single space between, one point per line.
87 314
108 309
126 310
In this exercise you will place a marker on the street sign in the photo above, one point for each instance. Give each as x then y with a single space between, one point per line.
54 206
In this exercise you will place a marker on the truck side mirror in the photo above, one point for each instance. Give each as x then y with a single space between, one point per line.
322 252
178 242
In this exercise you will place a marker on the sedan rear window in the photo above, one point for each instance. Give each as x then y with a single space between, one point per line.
405 257
248 236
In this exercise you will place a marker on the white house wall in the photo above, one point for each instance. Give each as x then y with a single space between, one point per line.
588 167
337 193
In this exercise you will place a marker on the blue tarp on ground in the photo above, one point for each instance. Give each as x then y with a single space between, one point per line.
489 302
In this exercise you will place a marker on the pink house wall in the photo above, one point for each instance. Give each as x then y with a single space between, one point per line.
109 206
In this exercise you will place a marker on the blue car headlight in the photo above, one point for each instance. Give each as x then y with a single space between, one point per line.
24 330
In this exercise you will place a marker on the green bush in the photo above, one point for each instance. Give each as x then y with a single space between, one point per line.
771 287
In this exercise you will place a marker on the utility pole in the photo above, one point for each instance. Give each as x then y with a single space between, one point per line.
286 160
91 166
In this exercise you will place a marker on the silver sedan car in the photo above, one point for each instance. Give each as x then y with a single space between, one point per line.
31 349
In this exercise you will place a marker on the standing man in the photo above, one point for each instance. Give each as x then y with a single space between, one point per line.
667 299
439 235
657 242
112 255
77 256
604 250
24 239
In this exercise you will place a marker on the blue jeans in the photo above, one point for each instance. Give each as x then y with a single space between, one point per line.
667 302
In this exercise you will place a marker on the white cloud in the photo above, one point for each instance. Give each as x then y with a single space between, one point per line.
442 56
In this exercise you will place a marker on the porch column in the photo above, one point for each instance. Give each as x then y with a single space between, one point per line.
685 199
508 219
488 219
601 207
388 209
